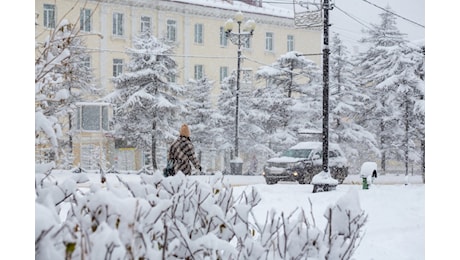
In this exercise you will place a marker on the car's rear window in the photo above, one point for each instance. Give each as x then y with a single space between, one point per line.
297 153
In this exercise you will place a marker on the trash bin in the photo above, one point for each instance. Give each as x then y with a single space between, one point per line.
368 170
365 185
236 167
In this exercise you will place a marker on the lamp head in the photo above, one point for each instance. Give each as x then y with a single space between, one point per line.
228 27
239 17
250 25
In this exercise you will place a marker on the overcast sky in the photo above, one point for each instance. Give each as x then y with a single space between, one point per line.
349 17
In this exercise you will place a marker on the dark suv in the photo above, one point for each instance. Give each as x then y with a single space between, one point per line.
304 160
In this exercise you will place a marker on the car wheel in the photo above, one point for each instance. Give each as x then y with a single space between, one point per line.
270 181
320 188
302 180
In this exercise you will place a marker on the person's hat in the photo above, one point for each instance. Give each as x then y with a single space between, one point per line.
184 130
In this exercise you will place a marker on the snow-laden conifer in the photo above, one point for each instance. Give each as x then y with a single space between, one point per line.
146 102
225 118
293 83
388 68
347 100
199 115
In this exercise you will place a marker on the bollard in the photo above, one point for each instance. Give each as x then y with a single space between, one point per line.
365 185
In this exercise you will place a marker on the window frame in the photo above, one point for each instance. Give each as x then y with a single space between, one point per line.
49 16
102 116
223 73
199 33
117 67
86 62
198 72
223 40
171 78
117 24
290 43
247 43
171 30
85 20
146 25
269 41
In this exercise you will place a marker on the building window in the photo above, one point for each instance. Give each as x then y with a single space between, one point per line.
117 24
246 79
85 20
117 67
198 72
49 16
86 62
269 41
171 30
290 43
223 73
199 33
93 117
146 25
223 37
247 44
171 78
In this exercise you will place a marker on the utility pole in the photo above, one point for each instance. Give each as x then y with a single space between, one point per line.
314 15
326 9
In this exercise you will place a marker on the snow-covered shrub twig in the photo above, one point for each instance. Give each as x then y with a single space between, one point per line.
180 218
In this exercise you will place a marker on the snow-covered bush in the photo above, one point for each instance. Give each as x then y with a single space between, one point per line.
178 218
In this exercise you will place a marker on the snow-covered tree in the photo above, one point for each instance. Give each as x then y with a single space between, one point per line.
290 72
145 101
308 106
388 69
419 106
61 79
199 116
411 92
271 113
225 117
346 103
299 78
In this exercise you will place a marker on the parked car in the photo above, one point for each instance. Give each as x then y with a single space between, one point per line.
304 160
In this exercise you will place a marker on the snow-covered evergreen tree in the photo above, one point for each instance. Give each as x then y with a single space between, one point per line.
61 79
271 113
299 78
308 106
145 102
388 69
419 106
290 72
199 115
225 118
346 103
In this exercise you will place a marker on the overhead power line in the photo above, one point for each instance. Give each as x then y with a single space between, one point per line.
349 15
404 18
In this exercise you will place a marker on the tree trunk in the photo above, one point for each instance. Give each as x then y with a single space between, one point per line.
406 137
382 145
423 159
290 80
154 147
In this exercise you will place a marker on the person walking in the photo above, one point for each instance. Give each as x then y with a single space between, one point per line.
182 152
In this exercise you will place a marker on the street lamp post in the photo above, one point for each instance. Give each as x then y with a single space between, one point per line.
239 38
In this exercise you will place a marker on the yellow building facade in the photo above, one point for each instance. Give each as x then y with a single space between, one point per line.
196 30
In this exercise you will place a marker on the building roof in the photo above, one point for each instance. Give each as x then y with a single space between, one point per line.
266 9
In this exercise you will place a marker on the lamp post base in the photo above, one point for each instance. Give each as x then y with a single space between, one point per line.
236 166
